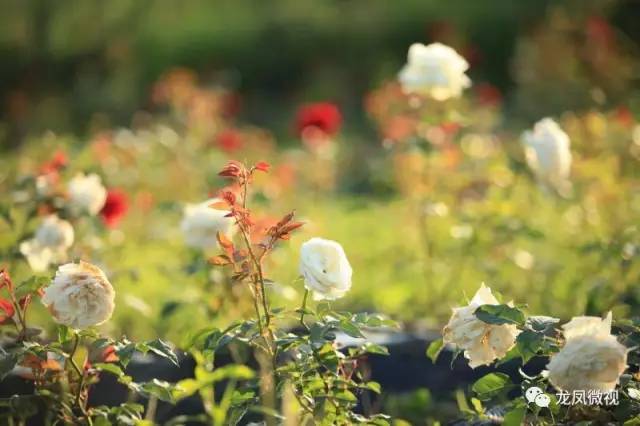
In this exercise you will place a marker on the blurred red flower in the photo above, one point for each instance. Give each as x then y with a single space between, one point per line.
624 116
229 140
599 30
324 116
57 163
115 207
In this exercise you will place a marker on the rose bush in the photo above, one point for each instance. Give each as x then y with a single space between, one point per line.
444 202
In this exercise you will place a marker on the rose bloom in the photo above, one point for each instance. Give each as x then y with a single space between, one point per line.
79 296
201 224
50 243
323 116
547 152
591 358
86 193
115 207
325 268
435 70
482 343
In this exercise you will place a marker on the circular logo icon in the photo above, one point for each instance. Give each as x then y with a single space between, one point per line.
532 393
542 400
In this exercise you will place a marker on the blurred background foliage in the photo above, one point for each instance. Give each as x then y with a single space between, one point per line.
426 210
83 65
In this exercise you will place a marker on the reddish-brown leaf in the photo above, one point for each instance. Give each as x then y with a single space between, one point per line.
262 166
229 197
286 219
219 205
6 310
232 169
290 227
224 241
220 260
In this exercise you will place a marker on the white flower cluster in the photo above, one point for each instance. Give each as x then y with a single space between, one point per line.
591 359
54 236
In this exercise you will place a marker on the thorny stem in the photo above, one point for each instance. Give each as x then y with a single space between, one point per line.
80 373
259 280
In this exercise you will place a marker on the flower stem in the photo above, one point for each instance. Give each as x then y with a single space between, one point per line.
303 308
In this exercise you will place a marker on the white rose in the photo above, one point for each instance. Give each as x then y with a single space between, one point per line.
79 296
50 243
548 152
591 358
482 343
86 193
435 70
325 268
201 224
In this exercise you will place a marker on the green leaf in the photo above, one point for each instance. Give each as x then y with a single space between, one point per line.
232 371
490 385
372 348
529 343
30 286
515 416
64 334
500 314
434 349
111 368
351 329
345 395
125 350
158 388
161 348
477 405
541 323
373 386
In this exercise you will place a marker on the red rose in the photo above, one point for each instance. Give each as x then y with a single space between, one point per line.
324 116
115 207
